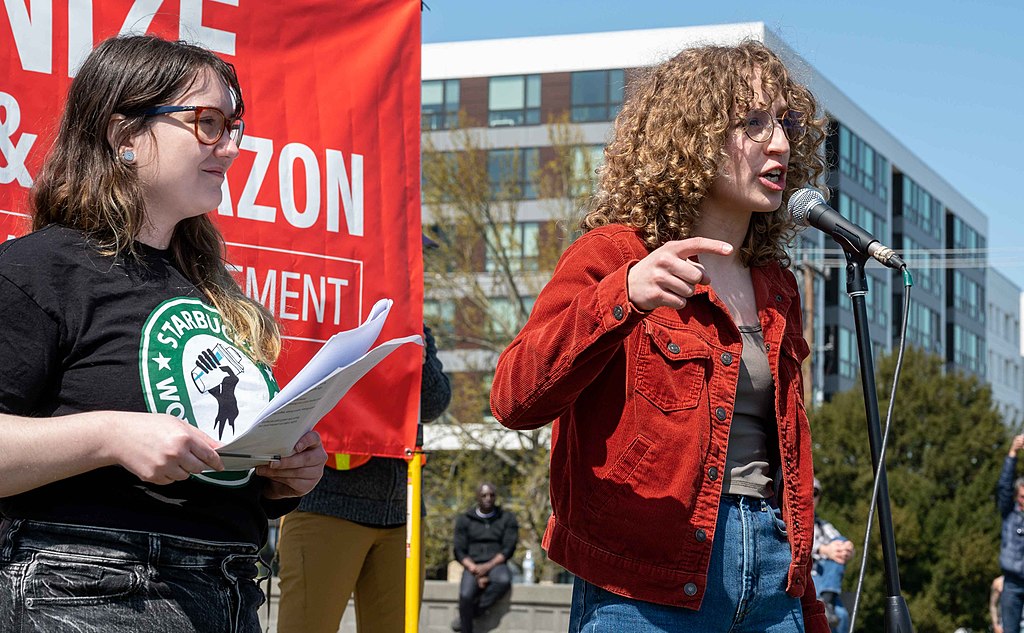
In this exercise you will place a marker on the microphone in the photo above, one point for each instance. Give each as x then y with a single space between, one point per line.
808 208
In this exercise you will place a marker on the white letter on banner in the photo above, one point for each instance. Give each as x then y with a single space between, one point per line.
285 295
225 208
247 207
286 176
79 33
309 296
33 37
351 196
190 27
140 16
267 296
13 154
337 283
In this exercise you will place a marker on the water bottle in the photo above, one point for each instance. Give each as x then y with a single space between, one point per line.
528 568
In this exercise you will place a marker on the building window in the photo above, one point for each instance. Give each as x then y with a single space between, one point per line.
513 173
847 353
923 328
504 320
875 301
439 107
968 350
970 244
921 208
514 100
873 223
968 296
438 171
585 161
927 266
519 242
860 161
439 315
596 95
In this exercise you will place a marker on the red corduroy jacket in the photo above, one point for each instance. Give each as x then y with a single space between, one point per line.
641 404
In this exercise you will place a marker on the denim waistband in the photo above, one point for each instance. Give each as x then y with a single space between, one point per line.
755 504
21 535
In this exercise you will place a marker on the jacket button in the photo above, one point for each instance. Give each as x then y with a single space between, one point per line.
727 359
712 473
721 414
672 347
701 536
690 589
767 347
618 313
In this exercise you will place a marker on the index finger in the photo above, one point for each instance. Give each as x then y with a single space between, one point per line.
696 245
206 450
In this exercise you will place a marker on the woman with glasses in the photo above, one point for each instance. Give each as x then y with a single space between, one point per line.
127 348
667 349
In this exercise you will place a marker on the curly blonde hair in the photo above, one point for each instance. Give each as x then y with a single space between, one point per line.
669 143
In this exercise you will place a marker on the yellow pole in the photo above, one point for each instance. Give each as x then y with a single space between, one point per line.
412 542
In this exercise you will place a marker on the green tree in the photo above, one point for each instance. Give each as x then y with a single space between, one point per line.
480 283
945 451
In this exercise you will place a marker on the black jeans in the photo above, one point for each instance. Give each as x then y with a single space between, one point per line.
473 600
56 577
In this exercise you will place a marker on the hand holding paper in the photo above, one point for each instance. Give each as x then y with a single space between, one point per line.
313 392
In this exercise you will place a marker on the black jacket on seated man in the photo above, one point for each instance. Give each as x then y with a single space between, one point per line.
485 539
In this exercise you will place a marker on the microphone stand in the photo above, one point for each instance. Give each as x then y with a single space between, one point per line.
897 615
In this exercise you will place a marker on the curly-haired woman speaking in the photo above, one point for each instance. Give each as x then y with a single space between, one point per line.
667 350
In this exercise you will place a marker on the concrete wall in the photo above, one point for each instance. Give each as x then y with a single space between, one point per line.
529 609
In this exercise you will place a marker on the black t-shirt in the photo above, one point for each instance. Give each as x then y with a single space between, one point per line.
86 332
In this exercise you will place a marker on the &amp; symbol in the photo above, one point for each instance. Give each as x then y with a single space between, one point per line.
13 155
216 373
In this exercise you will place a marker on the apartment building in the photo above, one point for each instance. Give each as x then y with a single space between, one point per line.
509 89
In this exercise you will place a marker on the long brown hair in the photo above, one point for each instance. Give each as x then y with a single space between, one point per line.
669 140
83 184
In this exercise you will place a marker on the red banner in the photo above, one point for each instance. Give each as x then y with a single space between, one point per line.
322 208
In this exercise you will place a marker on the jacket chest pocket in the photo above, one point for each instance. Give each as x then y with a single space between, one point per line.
671 367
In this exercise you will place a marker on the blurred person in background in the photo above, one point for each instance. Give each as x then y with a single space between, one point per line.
485 539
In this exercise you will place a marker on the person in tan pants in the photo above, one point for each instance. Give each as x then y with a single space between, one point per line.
348 537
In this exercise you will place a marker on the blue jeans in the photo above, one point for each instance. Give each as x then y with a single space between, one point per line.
745 591
828 576
56 577
1011 603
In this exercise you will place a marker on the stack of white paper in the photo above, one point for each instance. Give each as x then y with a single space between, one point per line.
313 392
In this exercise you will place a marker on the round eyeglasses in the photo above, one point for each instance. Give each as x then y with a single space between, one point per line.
759 125
209 125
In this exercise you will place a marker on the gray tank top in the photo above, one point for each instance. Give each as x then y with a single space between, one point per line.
746 461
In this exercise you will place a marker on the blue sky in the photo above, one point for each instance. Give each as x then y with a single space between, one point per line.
945 78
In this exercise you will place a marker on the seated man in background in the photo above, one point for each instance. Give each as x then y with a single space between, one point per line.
485 538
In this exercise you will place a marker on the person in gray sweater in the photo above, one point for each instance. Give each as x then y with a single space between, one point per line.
348 536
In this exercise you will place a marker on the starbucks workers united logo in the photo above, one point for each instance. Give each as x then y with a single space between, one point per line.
191 370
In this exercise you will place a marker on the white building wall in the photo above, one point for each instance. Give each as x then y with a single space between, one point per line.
1003 341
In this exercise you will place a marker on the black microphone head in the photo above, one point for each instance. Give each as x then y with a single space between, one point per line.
801 203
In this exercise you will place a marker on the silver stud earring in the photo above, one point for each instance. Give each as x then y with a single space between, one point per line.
128 156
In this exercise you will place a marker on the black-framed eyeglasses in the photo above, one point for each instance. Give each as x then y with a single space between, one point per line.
759 125
210 123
